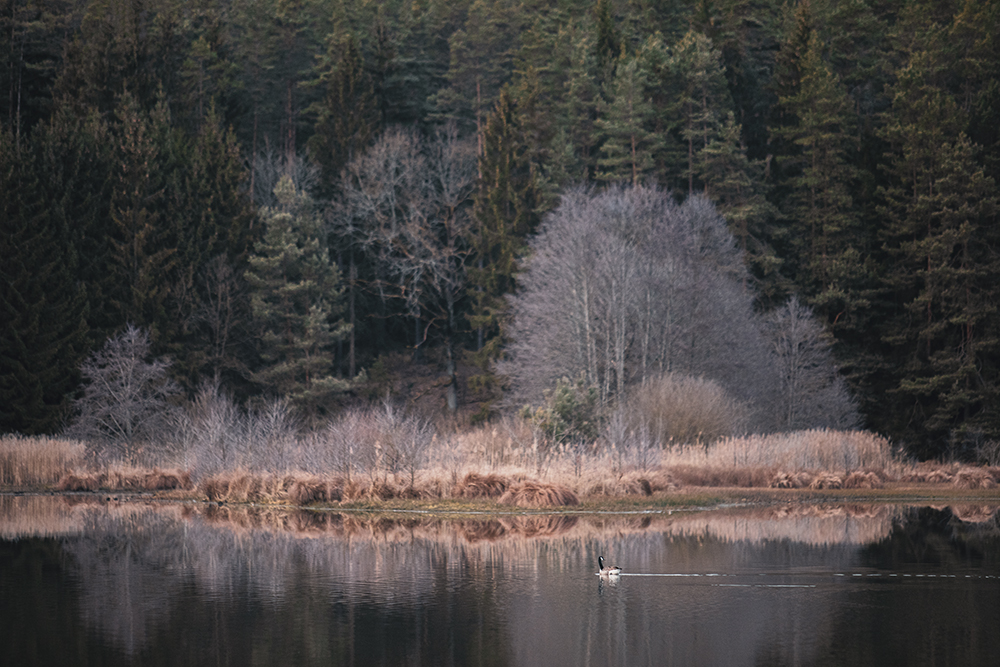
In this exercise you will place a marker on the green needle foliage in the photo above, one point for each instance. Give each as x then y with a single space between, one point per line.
297 301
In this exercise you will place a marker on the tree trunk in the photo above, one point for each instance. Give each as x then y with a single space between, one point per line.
352 279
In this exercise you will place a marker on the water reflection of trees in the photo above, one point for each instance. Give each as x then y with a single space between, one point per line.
341 586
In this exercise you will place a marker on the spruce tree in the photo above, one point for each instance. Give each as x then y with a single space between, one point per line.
820 139
142 252
735 185
42 304
505 212
696 74
210 226
575 138
347 117
625 125
297 301
941 210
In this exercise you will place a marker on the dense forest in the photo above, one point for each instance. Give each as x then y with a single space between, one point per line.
280 191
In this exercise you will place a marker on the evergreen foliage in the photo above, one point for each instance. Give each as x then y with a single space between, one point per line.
852 148
296 302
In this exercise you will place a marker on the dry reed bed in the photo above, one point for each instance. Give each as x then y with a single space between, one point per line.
306 489
38 460
509 466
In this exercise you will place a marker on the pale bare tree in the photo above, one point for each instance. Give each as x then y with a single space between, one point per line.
625 285
126 399
813 394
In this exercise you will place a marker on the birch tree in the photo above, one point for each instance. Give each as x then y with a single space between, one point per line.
626 285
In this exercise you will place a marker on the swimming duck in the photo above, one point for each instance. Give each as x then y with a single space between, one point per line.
612 571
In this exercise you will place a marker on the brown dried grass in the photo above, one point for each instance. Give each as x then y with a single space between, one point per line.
827 481
306 490
37 460
126 479
974 478
860 479
538 494
791 480
716 475
475 485
245 487
628 485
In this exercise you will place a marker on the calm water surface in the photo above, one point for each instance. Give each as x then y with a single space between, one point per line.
136 583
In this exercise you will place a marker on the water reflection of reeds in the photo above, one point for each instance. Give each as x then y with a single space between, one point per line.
138 564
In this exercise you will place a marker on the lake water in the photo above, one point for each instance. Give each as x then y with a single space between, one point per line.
89 581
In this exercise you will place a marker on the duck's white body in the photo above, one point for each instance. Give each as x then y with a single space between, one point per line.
611 571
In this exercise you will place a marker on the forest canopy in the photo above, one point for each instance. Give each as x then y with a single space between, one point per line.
160 160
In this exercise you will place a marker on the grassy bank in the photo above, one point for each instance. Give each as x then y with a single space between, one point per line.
505 468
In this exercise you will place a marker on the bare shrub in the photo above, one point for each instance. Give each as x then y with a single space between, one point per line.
212 432
404 438
123 412
680 409
348 444
988 452
377 442
629 442
538 494
272 436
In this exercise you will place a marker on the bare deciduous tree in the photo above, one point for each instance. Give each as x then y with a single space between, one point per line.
405 203
126 398
812 393
626 285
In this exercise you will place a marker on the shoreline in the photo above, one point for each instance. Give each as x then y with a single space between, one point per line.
693 499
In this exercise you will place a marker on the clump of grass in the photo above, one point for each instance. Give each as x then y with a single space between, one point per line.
125 479
538 494
475 485
791 480
37 460
827 481
245 487
974 478
860 479
311 489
